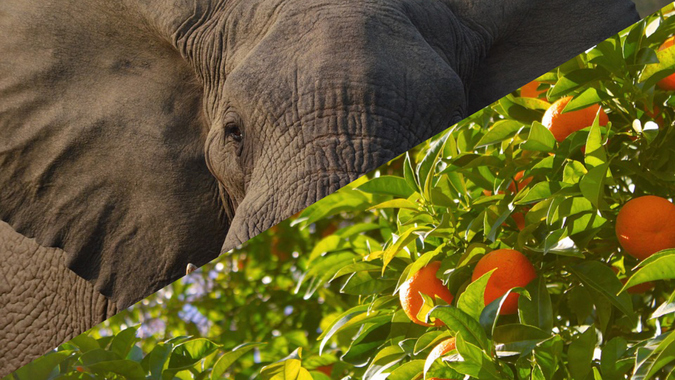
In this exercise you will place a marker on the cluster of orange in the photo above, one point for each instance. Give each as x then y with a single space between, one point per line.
511 269
644 226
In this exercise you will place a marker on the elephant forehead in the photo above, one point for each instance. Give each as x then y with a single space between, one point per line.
389 47
396 74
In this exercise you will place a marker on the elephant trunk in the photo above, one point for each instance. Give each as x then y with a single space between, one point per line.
306 172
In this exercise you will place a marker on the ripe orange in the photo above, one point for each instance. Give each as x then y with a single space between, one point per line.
519 218
646 225
513 269
667 83
426 282
518 182
441 349
530 90
564 124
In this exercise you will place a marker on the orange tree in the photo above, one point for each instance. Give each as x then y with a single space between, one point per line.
491 251
447 207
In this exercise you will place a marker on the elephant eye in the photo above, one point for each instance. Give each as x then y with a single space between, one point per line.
232 131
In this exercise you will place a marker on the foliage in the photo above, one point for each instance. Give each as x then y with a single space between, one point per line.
317 297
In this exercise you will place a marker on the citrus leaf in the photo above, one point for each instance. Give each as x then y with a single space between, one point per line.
540 139
460 322
188 353
538 310
580 353
660 268
500 131
472 300
602 279
387 185
41 367
225 361
407 371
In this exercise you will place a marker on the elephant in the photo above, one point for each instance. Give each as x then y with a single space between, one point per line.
140 137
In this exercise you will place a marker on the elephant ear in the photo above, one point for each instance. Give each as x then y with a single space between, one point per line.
101 147
528 38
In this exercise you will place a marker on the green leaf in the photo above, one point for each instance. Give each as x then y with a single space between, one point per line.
387 185
546 355
539 192
513 109
85 343
477 363
355 267
600 278
366 283
592 185
421 262
407 371
655 360
612 366
500 131
324 269
665 67
569 207
98 355
339 322
406 238
595 153
188 353
41 367
531 103
460 322
229 358
123 341
396 203
328 244
573 172
472 300
157 360
576 79
588 97
540 139
538 310
632 42
518 339
580 353
291 370
586 222
668 307
383 360
340 201
660 266
409 174
489 315
429 339
129 369
607 54
427 168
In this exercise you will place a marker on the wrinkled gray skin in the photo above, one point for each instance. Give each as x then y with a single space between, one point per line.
137 136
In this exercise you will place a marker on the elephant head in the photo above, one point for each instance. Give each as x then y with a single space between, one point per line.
139 136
